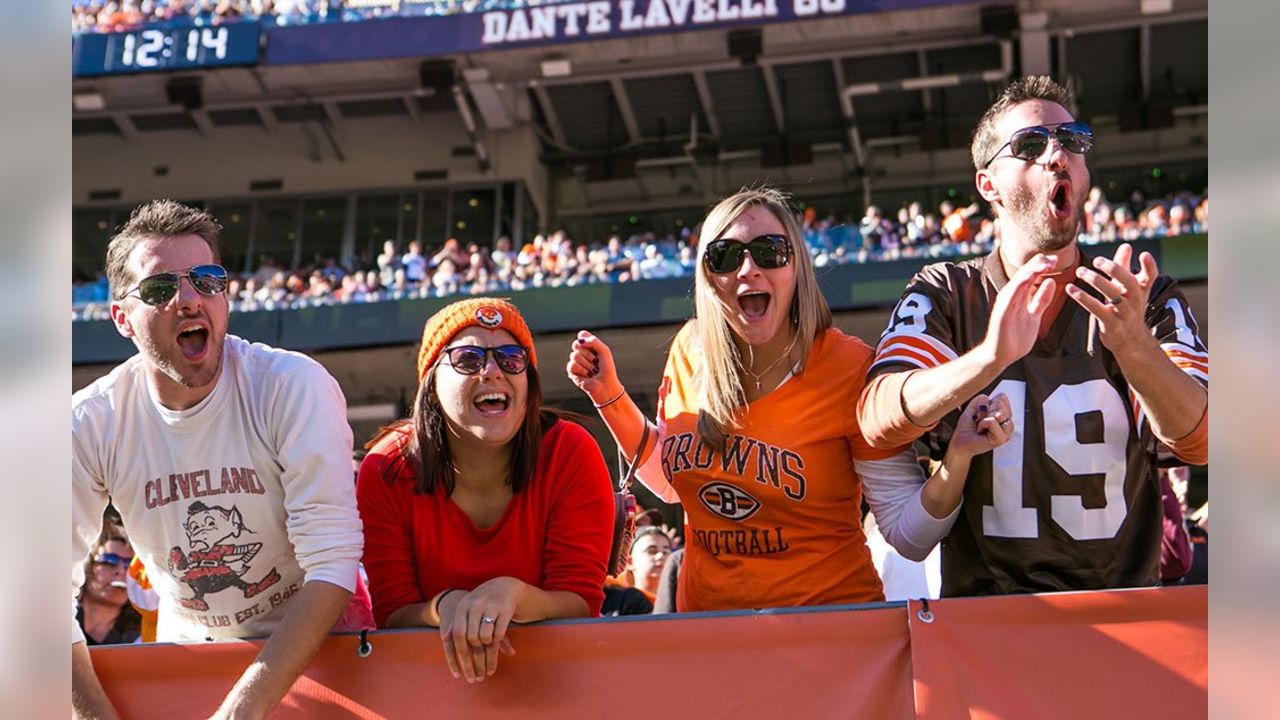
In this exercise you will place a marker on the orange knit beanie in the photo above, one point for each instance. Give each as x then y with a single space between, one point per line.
489 313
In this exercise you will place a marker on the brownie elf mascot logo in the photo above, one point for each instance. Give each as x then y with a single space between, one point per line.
216 562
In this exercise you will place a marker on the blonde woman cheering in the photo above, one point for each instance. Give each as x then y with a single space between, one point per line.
756 432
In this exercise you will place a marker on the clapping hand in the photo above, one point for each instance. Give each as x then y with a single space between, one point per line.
1016 313
1121 315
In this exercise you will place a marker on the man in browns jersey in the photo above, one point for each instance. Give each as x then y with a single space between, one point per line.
1091 361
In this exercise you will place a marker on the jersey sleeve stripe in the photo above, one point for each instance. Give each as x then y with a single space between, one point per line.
938 351
905 355
901 349
926 353
1191 365
1192 362
1180 350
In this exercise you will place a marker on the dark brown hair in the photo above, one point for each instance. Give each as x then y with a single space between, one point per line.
156 219
428 457
1031 87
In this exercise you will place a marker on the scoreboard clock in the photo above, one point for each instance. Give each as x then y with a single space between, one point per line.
166 48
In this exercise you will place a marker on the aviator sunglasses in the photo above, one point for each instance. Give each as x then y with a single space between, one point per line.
160 288
471 359
767 251
1030 143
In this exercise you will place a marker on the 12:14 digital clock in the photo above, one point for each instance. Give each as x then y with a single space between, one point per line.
166 48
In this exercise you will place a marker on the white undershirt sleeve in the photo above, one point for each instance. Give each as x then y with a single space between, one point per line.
893 486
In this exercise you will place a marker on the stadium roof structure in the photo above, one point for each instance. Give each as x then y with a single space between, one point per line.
658 112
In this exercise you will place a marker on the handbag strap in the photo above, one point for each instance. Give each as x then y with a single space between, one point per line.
624 483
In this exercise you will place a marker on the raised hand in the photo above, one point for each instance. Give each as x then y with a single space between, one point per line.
1122 315
591 368
985 423
1015 316
473 628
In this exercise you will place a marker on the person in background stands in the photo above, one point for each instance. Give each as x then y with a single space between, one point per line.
105 615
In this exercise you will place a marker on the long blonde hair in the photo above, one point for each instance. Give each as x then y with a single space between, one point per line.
718 374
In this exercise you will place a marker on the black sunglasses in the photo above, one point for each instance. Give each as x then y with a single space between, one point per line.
113 559
767 251
160 288
471 359
1029 143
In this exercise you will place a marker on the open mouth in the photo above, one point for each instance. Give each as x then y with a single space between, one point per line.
754 304
119 585
492 403
1060 200
193 342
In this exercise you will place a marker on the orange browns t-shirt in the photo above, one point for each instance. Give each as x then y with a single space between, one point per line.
774 520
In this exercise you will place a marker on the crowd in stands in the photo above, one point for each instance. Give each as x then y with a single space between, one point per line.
97 16
555 260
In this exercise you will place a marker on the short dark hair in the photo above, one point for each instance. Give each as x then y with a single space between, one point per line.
156 219
1031 87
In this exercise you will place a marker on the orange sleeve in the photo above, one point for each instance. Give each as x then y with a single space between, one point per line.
881 417
1194 448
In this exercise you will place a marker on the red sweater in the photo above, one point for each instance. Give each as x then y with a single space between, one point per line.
554 535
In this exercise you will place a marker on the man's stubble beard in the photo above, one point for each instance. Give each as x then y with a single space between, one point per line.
164 360
1027 211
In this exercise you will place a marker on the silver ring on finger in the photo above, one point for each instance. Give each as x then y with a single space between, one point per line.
1115 302
487 620
1005 424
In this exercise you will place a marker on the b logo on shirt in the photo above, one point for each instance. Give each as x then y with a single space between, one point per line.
728 501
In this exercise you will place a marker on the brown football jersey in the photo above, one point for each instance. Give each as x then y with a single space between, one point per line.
1071 501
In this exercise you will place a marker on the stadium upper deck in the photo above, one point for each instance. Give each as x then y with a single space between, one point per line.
847 110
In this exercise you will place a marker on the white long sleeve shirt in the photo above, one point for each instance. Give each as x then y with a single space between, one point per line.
233 504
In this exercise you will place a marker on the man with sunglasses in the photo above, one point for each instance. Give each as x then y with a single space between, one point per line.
1088 388
229 462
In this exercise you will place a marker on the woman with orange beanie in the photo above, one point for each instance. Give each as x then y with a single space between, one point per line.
483 508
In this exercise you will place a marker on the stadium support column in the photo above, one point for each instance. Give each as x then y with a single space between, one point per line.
1034 42
625 110
348 251
851 127
469 124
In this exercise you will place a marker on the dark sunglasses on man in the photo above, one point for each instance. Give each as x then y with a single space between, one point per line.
119 561
471 359
160 288
767 252
1030 143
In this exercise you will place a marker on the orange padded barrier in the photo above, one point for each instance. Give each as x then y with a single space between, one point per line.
1132 653
1119 654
